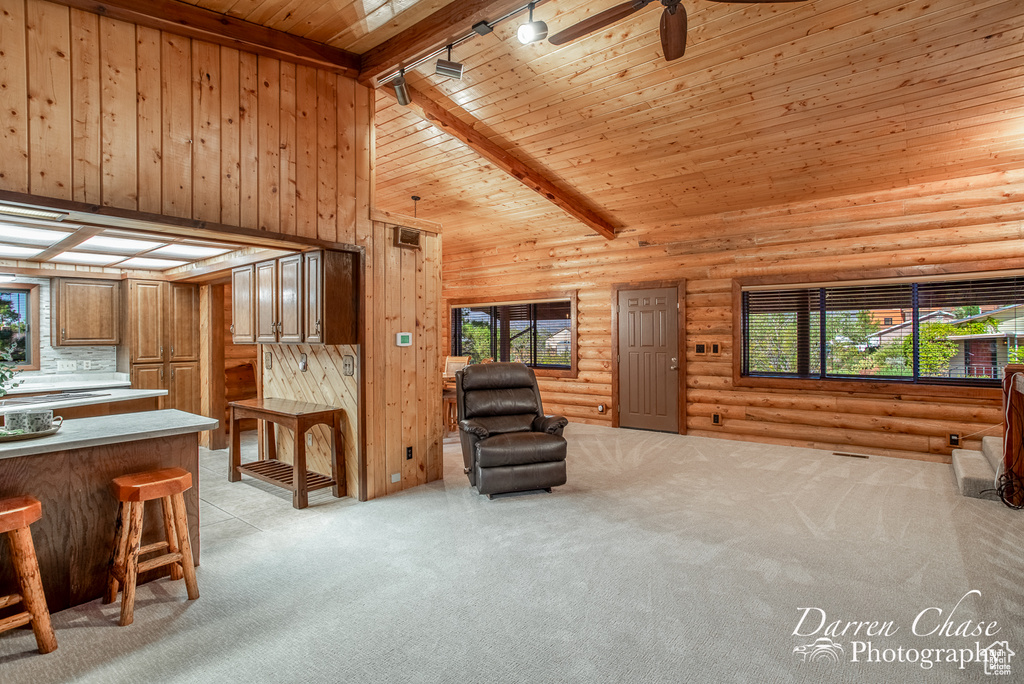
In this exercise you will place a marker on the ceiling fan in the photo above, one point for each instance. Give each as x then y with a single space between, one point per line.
673 23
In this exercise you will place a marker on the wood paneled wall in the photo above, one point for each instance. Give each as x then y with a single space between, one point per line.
949 223
402 402
105 112
322 383
403 384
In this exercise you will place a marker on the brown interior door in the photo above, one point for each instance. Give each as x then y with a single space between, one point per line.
648 359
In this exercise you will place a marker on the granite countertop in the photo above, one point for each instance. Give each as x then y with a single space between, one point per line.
60 382
109 395
82 433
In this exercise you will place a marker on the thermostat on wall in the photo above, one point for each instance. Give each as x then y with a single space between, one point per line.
403 339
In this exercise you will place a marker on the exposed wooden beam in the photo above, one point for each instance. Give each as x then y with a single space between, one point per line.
195 22
434 114
70 242
441 28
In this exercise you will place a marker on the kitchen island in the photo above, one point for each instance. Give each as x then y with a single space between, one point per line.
70 473
86 404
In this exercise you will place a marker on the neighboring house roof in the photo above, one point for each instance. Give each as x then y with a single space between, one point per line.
994 313
910 323
563 336
986 336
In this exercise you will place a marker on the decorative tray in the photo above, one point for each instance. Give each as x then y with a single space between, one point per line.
15 435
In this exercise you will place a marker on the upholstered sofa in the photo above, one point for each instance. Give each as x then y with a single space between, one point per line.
508 444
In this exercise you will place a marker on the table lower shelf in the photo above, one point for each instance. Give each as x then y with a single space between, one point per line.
283 474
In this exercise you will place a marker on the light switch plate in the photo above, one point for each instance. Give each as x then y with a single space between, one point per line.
268 360
395 477
66 366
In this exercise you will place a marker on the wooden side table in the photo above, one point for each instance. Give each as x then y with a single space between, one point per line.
298 417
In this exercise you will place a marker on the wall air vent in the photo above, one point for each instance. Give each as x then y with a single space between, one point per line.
407 237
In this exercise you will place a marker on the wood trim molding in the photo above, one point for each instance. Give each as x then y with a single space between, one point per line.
195 22
576 206
680 286
87 214
33 323
888 388
441 28
571 295
390 217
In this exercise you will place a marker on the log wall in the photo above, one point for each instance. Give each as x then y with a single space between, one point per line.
969 223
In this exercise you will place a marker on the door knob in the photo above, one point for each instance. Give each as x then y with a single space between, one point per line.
674 364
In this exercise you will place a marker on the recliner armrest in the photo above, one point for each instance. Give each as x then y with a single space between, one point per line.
550 424
475 428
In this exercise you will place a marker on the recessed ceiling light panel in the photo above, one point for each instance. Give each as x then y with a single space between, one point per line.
189 251
118 245
14 252
30 236
151 264
88 258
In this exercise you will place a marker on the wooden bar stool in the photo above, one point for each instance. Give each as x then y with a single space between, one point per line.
15 517
132 491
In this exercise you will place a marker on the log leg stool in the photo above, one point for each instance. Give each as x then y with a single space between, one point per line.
132 491
15 517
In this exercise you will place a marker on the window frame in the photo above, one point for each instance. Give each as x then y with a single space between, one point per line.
33 323
571 296
936 388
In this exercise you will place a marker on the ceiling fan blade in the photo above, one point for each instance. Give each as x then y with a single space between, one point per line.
673 32
598 21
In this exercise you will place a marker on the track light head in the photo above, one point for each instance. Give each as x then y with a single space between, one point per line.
401 89
446 67
532 31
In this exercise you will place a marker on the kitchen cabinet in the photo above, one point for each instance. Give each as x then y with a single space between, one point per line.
243 305
284 301
162 346
84 312
183 388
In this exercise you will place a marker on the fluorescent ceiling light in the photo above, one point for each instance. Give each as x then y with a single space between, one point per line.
32 213
118 245
7 277
30 236
158 264
12 251
87 258
188 251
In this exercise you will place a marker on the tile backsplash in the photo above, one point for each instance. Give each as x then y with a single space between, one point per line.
99 359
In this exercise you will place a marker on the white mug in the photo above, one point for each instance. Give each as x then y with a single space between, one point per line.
32 420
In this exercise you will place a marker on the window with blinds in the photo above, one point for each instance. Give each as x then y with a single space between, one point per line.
950 331
538 334
15 345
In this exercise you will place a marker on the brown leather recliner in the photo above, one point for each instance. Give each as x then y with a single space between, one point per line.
508 444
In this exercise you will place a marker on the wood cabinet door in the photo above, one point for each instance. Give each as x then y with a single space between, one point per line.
148 376
146 319
290 307
184 387
243 310
266 302
184 321
312 297
87 312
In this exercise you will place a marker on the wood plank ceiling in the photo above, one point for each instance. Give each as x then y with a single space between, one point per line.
771 104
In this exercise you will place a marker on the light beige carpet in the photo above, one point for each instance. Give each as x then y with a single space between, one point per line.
664 559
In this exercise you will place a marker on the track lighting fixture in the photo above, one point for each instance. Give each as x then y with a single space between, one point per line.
446 67
532 31
401 90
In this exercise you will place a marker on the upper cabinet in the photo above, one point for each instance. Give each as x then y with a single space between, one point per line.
243 305
84 312
284 301
162 320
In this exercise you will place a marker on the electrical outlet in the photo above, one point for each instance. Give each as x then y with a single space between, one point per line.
87 365
408 453
396 477
303 365
954 440
715 348
700 348
348 365
309 440
716 418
